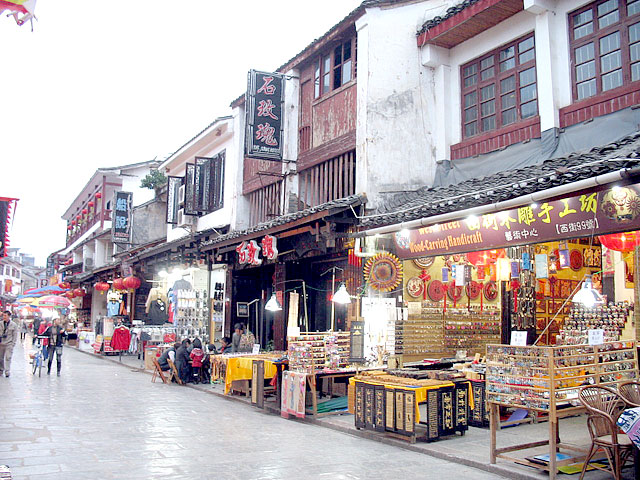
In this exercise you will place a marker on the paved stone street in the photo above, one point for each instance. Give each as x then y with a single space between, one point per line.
103 421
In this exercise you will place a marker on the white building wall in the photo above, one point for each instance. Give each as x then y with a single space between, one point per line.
395 122
131 179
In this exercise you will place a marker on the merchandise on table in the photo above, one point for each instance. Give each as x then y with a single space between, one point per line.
611 318
311 352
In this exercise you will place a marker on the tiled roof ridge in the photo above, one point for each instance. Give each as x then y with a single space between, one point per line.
429 201
451 11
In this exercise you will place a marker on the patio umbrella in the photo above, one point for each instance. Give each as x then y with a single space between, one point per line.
48 290
26 300
17 7
52 301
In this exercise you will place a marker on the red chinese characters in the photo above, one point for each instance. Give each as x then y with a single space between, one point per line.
266 87
265 133
265 109
248 253
270 247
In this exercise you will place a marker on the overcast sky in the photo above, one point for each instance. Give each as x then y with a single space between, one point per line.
104 83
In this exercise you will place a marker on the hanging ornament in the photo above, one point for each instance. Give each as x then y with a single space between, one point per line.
383 272
415 287
118 284
132 283
101 287
79 292
621 242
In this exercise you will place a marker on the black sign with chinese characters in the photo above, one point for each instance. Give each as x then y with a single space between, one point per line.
121 227
265 97
173 200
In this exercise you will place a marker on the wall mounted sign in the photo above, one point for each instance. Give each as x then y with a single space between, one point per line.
607 211
249 252
121 225
265 98
173 202
269 247
7 205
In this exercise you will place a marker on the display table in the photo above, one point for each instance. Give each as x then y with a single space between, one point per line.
395 405
236 367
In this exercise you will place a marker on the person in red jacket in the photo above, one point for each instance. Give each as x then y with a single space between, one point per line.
44 324
196 357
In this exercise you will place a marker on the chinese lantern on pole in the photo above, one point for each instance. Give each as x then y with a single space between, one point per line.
101 287
132 283
79 292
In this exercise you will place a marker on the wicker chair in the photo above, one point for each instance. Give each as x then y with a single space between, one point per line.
603 409
630 393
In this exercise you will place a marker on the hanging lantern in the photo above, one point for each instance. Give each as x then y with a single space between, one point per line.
73 222
77 217
64 285
85 211
621 242
79 292
101 287
91 204
132 283
99 195
69 227
118 284
68 294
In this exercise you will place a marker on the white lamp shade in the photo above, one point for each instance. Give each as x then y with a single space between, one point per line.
587 295
341 296
273 305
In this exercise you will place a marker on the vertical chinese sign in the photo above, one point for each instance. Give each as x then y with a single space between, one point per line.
173 200
121 227
7 205
265 97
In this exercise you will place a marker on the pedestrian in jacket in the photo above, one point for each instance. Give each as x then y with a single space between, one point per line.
8 338
56 334
182 361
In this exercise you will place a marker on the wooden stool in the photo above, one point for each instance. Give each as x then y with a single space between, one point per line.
174 372
157 372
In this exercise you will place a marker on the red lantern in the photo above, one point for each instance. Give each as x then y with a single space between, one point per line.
68 295
99 195
621 242
85 211
79 292
73 222
69 227
132 282
118 284
91 204
77 217
101 287
64 285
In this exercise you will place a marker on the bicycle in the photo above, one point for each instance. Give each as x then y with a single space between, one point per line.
38 358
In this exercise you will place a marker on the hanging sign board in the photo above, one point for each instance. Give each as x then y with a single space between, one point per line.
607 211
173 200
121 226
265 97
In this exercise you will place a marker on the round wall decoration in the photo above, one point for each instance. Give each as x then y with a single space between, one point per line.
383 272
490 291
424 262
455 293
435 290
415 287
474 289
575 260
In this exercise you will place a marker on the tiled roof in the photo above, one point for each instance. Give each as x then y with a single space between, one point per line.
428 202
346 202
451 11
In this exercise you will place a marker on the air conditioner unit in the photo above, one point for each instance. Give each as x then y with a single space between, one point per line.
181 195
88 264
185 220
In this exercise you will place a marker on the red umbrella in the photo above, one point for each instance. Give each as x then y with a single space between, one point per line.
55 301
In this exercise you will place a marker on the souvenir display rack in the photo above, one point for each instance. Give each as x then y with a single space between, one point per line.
548 379
192 309
313 351
435 330
611 318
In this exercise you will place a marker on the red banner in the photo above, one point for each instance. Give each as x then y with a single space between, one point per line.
597 213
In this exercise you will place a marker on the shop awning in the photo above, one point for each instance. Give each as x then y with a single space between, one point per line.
286 222
466 20
554 178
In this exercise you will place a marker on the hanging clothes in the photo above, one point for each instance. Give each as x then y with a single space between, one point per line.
155 294
182 284
113 308
158 314
121 338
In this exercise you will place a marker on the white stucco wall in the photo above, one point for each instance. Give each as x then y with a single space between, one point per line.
395 123
549 20
131 183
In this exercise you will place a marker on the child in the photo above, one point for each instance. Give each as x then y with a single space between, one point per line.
196 356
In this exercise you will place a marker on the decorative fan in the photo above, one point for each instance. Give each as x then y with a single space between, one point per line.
474 289
415 286
455 293
383 272
424 262
435 290
490 291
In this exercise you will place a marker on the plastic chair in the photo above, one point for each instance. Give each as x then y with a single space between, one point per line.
603 409
630 392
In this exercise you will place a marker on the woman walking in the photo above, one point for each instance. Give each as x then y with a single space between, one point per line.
56 333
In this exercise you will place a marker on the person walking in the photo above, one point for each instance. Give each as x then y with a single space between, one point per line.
8 338
56 334
24 329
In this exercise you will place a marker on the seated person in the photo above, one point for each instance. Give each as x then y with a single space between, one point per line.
169 353
182 361
226 345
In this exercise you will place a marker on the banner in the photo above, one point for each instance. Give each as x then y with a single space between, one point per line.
121 227
265 97
608 211
6 206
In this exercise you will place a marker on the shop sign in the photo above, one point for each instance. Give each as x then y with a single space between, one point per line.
607 211
269 247
173 201
8 286
265 97
121 226
249 252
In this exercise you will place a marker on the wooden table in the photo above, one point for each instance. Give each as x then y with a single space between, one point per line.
312 382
